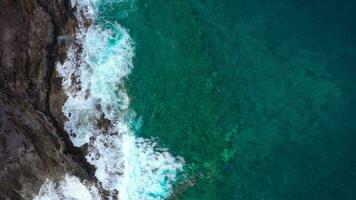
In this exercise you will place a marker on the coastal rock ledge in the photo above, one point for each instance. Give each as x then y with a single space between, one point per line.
34 35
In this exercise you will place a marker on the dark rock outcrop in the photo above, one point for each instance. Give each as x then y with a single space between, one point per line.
33 145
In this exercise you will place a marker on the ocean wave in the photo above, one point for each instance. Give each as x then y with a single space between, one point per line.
68 188
98 112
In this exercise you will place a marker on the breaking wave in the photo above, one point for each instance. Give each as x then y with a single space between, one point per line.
93 76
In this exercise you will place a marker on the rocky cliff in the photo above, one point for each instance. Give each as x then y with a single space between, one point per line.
34 35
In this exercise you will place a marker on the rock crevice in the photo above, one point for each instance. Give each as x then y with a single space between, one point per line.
33 144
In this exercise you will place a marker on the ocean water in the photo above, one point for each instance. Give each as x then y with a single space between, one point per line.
99 115
257 96
214 100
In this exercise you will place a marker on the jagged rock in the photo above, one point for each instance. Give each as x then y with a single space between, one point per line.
33 145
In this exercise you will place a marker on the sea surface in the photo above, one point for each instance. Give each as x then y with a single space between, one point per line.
215 99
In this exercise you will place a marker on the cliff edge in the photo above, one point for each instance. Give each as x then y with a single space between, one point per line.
34 35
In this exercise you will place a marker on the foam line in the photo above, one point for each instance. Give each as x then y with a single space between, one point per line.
99 115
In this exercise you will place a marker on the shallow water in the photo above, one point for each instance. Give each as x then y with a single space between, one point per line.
99 115
252 99
256 96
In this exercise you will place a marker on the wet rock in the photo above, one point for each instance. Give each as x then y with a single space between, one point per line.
34 35
103 124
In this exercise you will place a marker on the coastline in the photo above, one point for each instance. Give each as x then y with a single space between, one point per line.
35 146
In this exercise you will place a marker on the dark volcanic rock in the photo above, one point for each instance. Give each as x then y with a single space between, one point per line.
33 145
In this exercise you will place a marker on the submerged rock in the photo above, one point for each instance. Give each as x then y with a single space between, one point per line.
33 146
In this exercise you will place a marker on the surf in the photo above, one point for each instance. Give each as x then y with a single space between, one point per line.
99 114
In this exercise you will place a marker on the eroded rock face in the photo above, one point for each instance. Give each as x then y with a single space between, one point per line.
33 145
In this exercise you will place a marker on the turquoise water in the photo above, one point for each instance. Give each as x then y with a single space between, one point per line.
100 119
258 97
213 100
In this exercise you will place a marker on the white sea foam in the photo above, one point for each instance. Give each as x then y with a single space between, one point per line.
68 188
98 112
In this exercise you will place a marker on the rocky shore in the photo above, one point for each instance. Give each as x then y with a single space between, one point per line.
34 35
